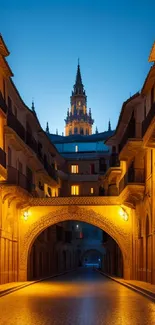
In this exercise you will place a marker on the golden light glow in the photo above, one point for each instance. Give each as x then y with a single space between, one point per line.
25 215
74 190
74 169
92 190
123 214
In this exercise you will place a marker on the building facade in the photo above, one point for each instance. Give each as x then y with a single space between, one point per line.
113 189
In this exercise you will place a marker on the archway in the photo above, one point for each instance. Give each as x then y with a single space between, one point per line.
91 257
118 233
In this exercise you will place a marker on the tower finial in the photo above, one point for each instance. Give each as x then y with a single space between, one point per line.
47 128
109 126
33 107
78 61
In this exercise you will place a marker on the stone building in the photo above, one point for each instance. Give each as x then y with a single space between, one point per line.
41 186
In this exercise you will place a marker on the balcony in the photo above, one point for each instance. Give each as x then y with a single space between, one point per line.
31 142
114 160
83 177
51 171
148 128
14 124
3 105
19 179
148 119
130 143
2 158
3 171
131 185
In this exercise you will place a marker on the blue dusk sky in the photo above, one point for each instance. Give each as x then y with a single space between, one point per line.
113 40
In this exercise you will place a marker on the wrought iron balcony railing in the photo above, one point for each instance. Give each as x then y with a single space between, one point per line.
132 176
31 142
114 161
51 171
14 124
3 105
17 178
148 119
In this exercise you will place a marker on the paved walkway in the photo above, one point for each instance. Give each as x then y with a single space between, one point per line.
145 288
13 286
139 285
83 297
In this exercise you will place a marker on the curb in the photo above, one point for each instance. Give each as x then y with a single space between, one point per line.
8 291
148 294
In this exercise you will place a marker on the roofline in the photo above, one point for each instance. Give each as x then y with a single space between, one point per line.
121 113
35 116
5 47
147 77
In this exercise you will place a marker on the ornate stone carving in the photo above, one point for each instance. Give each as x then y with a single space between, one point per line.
119 234
77 200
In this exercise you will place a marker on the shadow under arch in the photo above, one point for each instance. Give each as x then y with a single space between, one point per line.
87 251
80 214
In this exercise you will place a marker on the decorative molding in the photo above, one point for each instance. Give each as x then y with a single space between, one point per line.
120 234
75 200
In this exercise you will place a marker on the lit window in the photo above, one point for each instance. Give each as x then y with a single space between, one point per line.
74 169
74 190
92 190
76 148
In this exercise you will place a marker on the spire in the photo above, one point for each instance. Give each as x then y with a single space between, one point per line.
47 128
56 131
109 126
33 107
96 131
78 81
78 87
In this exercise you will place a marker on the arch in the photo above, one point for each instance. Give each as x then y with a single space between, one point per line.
87 251
80 214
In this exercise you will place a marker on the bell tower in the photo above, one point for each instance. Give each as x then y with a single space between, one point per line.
78 121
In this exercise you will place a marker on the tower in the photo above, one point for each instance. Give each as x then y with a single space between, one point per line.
78 121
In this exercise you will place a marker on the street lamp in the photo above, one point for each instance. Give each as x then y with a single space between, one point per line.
25 215
123 214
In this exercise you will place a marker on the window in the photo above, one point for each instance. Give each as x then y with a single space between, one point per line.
74 190
92 190
74 169
75 130
76 148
